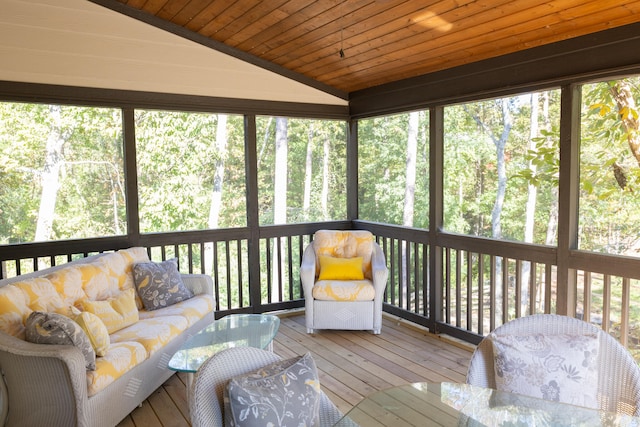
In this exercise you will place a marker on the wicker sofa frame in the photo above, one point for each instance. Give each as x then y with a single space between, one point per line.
46 385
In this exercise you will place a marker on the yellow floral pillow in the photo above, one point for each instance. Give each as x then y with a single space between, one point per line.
94 328
116 313
332 268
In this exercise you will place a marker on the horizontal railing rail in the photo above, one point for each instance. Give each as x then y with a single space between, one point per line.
482 283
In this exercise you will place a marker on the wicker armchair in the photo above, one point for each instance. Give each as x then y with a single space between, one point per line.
344 304
206 408
618 374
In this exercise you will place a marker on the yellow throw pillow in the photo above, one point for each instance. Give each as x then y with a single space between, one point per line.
95 330
116 313
332 268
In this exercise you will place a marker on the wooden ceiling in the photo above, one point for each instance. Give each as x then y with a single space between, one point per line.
386 40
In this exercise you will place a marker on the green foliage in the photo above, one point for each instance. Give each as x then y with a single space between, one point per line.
608 210
301 134
382 156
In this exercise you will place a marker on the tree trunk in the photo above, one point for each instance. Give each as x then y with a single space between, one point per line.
308 175
532 196
50 176
409 195
281 173
500 143
279 201
218 177
410 169
623 96
218 184
324 197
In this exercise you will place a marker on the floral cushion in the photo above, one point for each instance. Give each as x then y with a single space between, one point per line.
285 393
340 290
159 284
53 328
14 310
344 244
94 328
561 368
116 313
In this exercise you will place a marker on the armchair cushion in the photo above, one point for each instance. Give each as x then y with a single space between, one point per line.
344 244
341 290
332 268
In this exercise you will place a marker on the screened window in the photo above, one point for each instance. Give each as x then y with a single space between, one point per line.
610 167
61 175
501 168
301 170
191 171
393 174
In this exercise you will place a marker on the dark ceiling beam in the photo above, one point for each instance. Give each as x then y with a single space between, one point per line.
56 94
216 45
604 54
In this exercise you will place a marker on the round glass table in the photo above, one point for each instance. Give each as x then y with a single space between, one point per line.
234 330
453 404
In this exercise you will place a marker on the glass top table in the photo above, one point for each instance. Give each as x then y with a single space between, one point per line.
234 330
451 404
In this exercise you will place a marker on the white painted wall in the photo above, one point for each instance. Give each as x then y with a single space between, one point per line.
79 43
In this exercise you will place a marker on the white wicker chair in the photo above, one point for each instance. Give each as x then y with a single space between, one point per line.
618 374
348 315
206 408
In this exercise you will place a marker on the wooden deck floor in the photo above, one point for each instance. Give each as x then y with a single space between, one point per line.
352 365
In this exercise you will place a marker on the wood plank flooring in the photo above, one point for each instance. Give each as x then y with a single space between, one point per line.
351 364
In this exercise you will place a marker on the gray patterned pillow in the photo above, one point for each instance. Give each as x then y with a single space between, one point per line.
285 393
53 328
159 284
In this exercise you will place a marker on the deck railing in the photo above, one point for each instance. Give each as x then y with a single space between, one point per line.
474 286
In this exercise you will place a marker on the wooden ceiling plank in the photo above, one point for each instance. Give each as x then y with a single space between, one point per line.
375 14
450 42
384 36
206 15
308 19
261 17
237 11
171 9
482 50
154 6
189 11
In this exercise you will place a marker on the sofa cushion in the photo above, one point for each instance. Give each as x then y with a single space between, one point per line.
285 393
159 284
332 268
53 328
118 360
41 295
192 309
116 313
68 284
13 311
154 333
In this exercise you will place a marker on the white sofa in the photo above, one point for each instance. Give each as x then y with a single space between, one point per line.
49 385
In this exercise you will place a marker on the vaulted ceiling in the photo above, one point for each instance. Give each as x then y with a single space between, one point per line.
356 44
